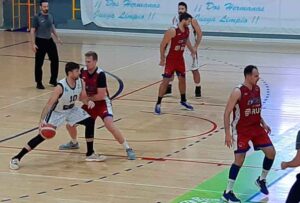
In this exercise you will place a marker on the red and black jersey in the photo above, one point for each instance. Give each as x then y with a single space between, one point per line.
93 81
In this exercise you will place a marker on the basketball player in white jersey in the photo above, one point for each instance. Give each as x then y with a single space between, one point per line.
60 109
195 39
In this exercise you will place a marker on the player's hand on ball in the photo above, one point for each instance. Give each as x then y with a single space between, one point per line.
284 165
91 104
42 122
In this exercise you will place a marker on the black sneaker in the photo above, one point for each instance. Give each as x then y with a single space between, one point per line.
40 86
198 91
169 89
230 197
262 186
53 83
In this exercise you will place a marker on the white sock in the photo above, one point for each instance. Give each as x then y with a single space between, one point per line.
125 144
197 84
264 174
74 141
230 185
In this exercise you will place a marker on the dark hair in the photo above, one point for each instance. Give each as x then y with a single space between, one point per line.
92 54
184 16
182 4
43 1
70 66
249 69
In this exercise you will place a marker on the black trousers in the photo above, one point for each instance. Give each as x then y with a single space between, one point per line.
46 46
294 194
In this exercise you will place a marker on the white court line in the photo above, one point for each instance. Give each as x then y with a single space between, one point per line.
135 63
115 70
114 182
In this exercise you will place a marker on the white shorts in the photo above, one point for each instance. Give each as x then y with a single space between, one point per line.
190 63
70 116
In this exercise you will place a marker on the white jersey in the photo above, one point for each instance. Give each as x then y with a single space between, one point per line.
67 99
64 110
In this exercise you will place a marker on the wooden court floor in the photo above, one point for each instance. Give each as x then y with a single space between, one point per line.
176 151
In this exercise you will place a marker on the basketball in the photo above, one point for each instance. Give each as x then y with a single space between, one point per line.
48 131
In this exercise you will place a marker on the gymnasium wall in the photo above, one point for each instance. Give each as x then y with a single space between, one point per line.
235 18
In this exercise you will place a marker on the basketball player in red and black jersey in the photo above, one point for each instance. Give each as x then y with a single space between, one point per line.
96 88
178 38
247 125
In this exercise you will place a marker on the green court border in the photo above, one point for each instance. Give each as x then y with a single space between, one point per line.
211 190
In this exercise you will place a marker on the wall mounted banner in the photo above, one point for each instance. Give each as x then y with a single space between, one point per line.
239 16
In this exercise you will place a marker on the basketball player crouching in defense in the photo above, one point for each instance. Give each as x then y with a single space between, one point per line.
60 109
96 88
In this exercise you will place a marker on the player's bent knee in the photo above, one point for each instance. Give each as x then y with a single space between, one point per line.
271 153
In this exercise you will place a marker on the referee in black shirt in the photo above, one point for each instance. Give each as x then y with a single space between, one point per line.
42 43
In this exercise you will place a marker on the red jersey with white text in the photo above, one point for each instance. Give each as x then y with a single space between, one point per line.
247 111
178 44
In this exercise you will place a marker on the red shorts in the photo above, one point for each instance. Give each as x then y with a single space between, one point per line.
174 65
102 109
258 136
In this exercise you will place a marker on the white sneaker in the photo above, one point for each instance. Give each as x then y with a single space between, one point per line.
95 157
14 164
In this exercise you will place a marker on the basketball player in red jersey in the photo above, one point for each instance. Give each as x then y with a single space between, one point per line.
195 37
96 88
247 125
178 38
